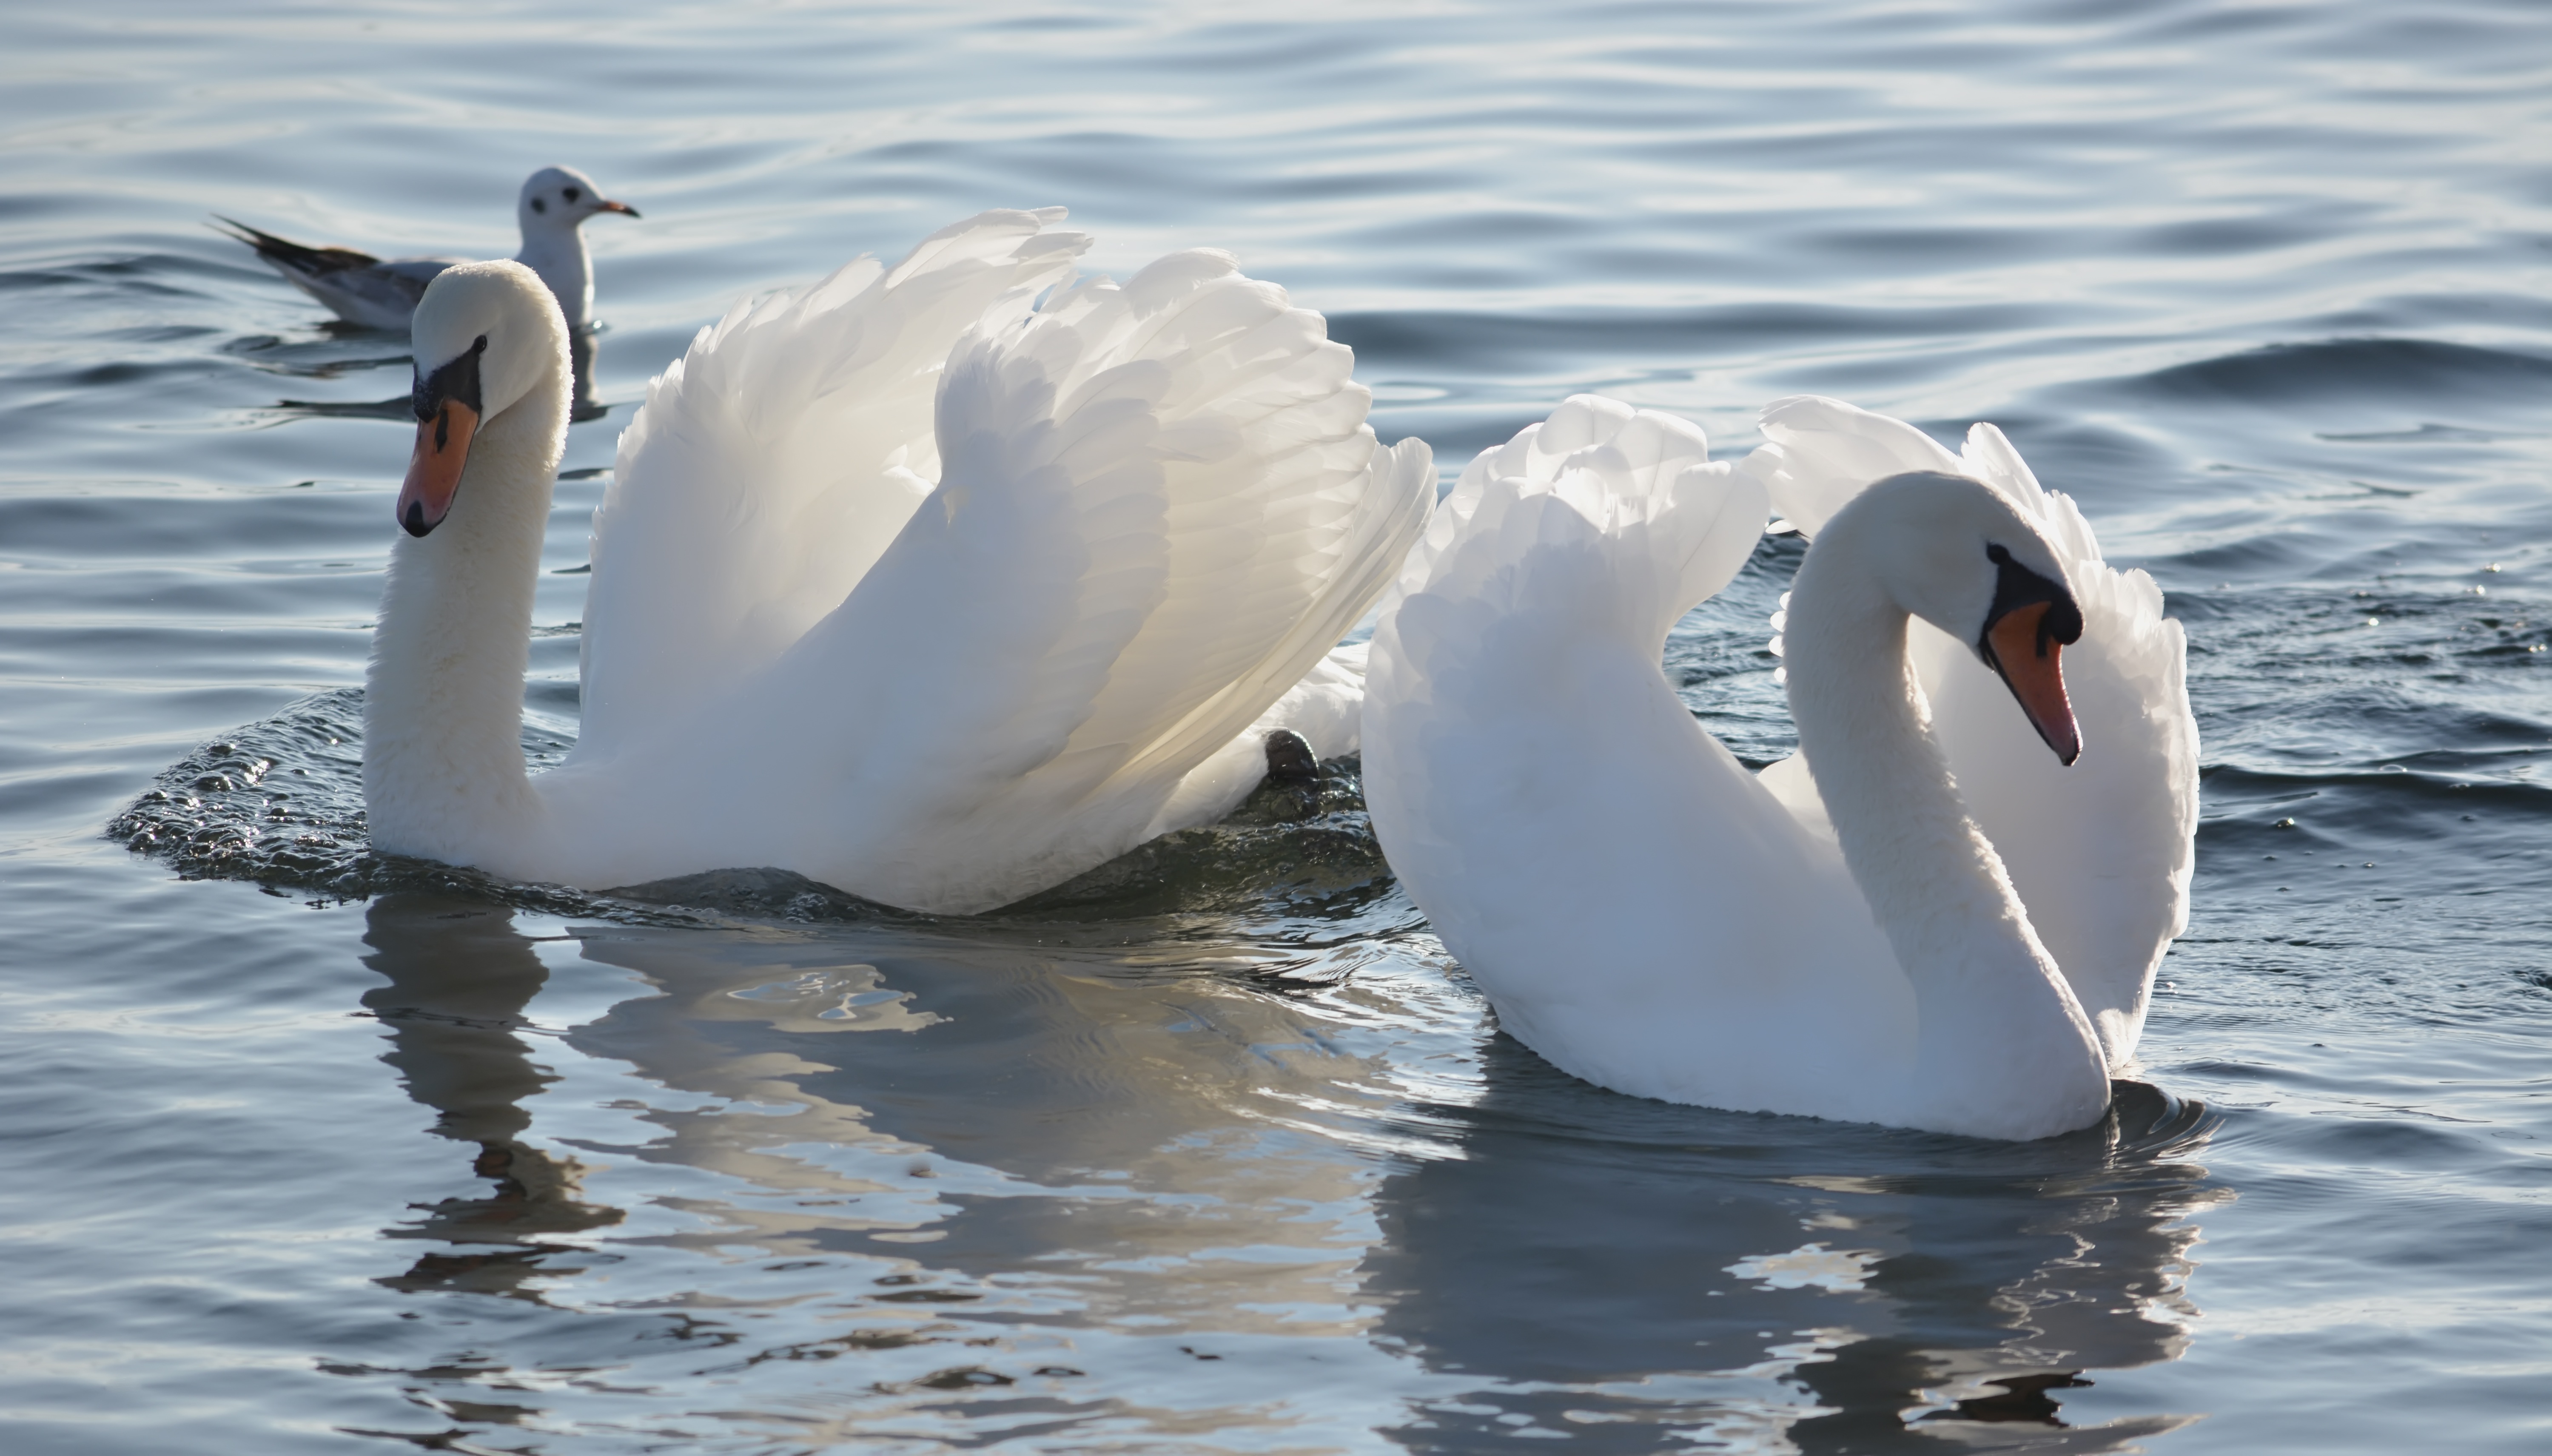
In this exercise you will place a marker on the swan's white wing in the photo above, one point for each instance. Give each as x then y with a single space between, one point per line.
1818 454
773 463
1159 507
1640 910
2102 852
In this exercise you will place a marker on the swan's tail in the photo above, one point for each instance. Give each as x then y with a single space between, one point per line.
1602 508
2102 852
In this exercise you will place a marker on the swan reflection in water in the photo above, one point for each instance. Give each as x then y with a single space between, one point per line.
1634 1273
1044 1170
459 980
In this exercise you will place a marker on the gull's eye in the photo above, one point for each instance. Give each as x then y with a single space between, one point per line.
539 206
570 195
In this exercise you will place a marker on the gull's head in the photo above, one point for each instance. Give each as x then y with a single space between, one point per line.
560 198
485 336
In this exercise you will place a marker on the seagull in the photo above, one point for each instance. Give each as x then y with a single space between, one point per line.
382 293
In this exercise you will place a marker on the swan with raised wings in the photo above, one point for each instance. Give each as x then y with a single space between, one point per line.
907 582
1933 916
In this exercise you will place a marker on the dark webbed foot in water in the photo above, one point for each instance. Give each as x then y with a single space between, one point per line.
1292 788
1290 759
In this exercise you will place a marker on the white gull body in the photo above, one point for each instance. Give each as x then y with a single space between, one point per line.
382 293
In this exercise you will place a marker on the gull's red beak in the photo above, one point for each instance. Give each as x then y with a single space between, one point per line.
619 207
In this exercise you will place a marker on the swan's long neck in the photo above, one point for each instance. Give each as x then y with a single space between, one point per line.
2002 1040
443 702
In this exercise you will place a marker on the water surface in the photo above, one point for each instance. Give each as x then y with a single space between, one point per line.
1217 1151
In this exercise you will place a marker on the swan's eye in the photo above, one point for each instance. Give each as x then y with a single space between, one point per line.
570 195
1995 554
457 379
539 206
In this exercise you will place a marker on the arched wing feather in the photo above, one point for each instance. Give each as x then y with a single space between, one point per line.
1159 505
775 461
2101 853
1525 753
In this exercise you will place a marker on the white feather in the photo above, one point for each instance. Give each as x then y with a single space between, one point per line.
2102 852
940 598
1649 916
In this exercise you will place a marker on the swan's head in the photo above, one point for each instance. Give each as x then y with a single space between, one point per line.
487 335
560 198
1957 554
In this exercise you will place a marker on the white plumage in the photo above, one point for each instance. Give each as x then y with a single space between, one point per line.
382 293
919 591
2102 852
1649 915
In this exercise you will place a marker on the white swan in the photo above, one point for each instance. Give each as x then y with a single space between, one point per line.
940 664
1649 916
382 293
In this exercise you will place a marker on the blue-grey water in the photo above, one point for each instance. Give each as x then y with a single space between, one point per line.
1216 1151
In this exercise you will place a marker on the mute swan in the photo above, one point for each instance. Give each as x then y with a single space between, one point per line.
942 663
364 289
1840 936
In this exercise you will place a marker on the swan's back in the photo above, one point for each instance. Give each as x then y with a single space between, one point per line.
1218 514
1239 512
2102 852
1155 508
1640 909
772 463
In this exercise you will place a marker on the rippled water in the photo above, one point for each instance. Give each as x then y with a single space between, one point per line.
1215 1150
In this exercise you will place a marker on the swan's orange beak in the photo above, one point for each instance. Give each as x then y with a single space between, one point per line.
2022 646
434 471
